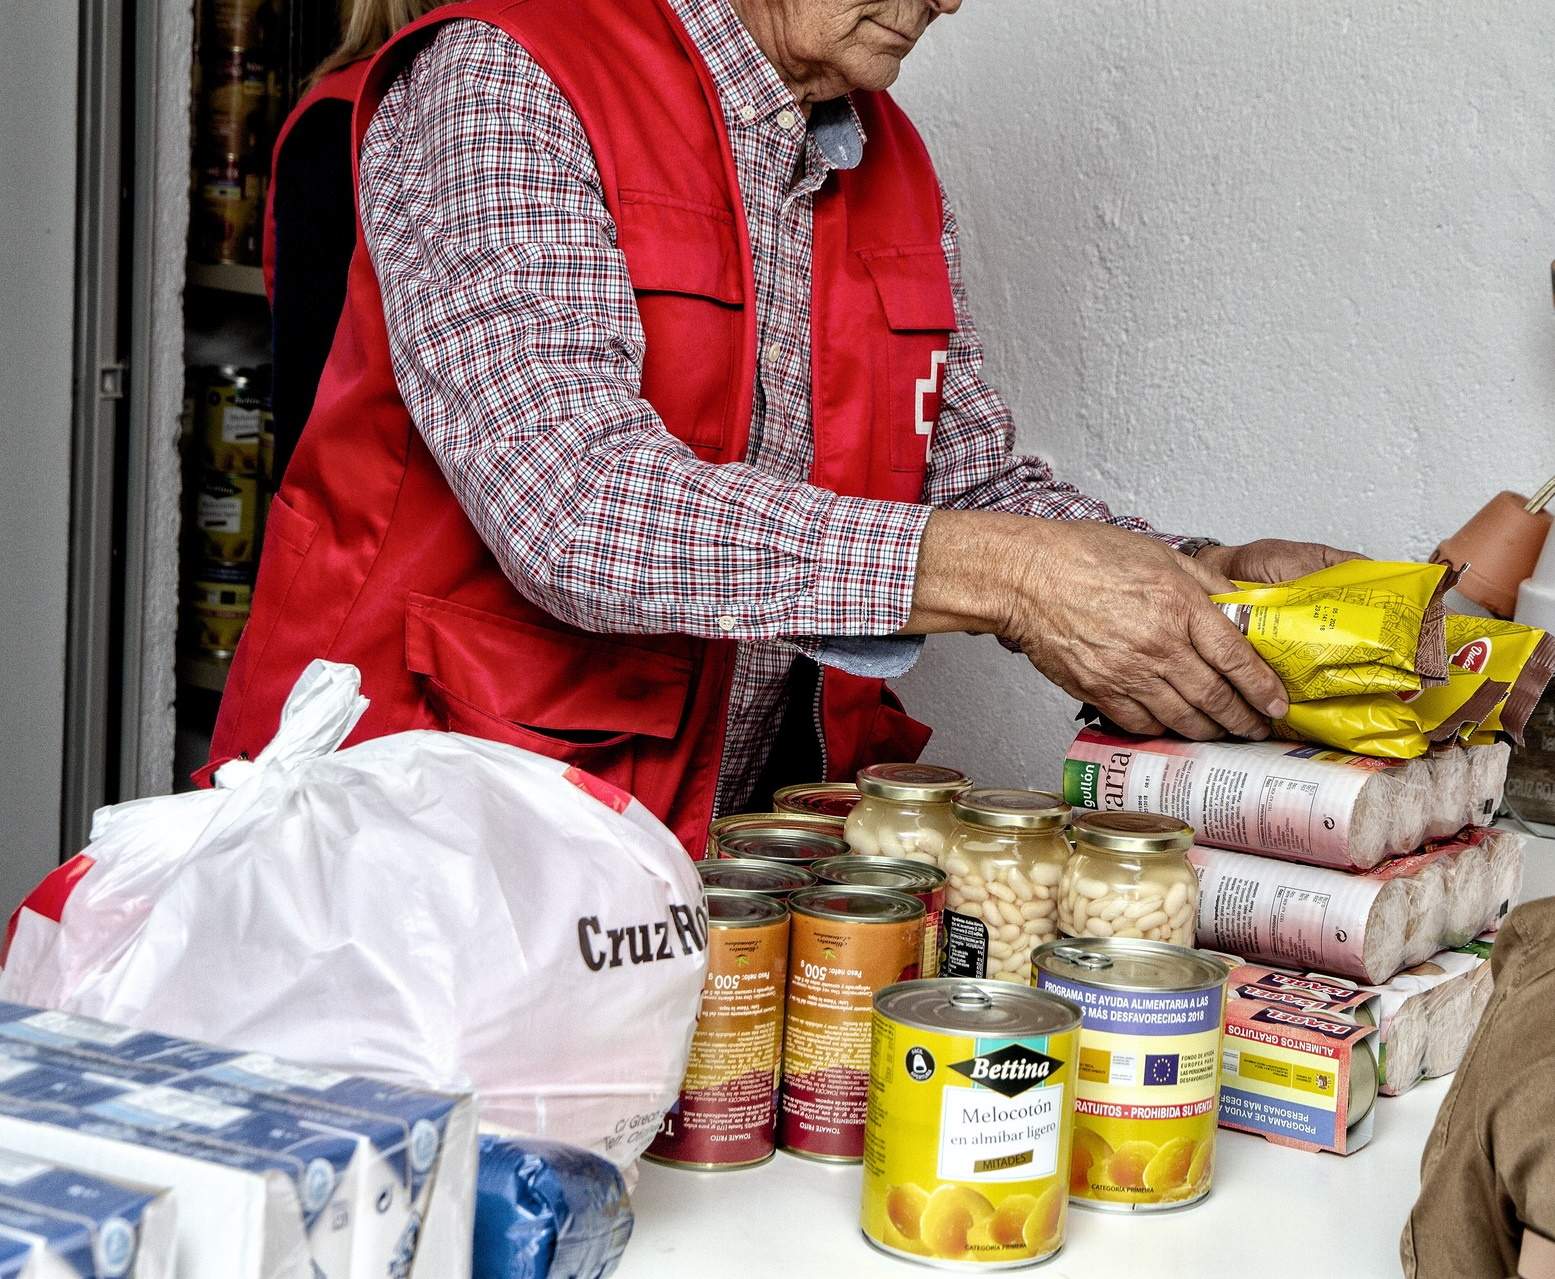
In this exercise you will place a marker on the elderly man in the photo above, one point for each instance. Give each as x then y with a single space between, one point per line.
655 432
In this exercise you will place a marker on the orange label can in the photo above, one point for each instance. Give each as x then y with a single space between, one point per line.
845 944
726 1113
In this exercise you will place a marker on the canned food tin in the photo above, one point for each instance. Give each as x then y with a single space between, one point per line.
822 799
971 1109
236 88
780 844
226 512
844 945
752 875
733 822
237 24
229 586
926 883
726 1114
1148 1089
227 213
231 416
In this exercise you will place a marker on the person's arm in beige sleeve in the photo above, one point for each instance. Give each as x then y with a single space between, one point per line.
1487 1193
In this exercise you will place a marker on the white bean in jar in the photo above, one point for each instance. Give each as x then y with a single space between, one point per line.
904 811
1129 877
1003 869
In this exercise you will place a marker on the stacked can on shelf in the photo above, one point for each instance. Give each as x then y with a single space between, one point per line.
230 482
238 95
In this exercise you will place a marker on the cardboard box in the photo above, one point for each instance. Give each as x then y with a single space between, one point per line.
1286 1074
58 1223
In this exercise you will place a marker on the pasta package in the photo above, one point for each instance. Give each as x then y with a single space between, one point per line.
1364 926
1364 626
1495 677
1301 803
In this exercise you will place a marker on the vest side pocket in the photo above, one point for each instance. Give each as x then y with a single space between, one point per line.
684 261
913 284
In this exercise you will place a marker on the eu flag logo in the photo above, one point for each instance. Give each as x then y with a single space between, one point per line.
1160 1069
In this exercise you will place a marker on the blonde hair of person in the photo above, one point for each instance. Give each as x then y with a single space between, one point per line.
366 26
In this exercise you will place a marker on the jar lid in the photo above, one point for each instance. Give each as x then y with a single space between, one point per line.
1134 832
1011 809
919 783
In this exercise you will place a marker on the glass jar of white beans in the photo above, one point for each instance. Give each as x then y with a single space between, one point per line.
1006 857
904 811
1129 877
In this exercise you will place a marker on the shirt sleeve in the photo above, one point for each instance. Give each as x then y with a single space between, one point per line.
517 348
972 462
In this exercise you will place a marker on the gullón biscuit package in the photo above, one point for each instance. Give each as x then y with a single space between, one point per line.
400 1205
1286 989
58 1223
1297 1076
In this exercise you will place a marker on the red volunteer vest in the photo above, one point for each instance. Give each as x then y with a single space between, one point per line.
368 557
340 85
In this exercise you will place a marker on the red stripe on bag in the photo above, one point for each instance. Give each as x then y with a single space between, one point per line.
49 897
610 796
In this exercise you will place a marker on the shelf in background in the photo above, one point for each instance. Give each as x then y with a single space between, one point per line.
227 278
197 672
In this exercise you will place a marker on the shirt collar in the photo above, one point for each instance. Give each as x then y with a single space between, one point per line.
750 88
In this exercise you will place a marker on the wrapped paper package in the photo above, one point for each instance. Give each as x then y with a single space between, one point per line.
1365 926
1300 803
1427 1014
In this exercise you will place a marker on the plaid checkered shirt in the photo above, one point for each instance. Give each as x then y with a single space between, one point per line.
518 350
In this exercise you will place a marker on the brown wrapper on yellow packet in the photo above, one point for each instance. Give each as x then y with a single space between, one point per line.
1364 626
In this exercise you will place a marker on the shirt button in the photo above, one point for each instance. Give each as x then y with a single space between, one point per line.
786 119
726 623
747 112
772 353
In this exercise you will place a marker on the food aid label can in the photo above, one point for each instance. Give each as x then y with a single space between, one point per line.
971 1108
1147 1090
845 944
726 1114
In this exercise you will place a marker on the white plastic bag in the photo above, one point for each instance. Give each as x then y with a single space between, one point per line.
425 907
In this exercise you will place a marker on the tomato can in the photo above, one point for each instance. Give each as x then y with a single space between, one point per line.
971 1116
751 875
1147 1095
726 1114
795 844
819 799
926 883
844 945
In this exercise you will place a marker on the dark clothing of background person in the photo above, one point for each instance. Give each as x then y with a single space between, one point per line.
1487 1194
315 234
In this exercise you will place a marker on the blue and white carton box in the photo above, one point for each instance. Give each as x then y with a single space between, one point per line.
384 1184
59 1223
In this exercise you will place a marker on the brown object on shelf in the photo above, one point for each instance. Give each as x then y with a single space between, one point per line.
1499 545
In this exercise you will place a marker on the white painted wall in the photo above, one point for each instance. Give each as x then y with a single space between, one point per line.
1246 267
37 281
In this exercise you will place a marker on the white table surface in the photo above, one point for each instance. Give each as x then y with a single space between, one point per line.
1273 1212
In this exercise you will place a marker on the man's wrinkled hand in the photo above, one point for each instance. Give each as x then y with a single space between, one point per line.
1271 559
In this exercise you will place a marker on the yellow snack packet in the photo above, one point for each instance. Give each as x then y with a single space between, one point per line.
1496 675
1364 626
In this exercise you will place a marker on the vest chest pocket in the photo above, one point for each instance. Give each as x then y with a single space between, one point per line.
913 284
684 261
